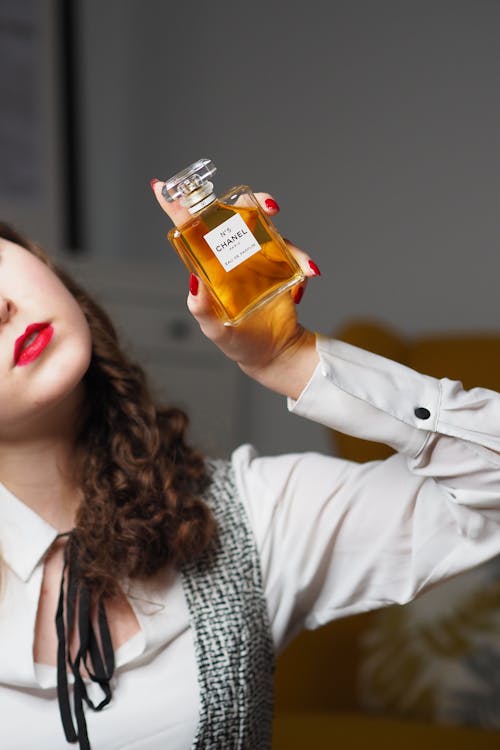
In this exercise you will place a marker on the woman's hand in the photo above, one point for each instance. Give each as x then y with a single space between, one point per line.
270 345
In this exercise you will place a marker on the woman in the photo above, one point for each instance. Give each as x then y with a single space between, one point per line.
173 580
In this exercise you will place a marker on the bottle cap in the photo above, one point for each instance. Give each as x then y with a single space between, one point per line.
192 184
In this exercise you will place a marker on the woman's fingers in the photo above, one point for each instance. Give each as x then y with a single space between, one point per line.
304 260
308 266
201 307
177 213
271 207
268 203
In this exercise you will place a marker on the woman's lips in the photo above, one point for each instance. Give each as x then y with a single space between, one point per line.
31 344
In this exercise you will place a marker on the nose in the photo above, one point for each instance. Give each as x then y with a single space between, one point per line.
6 309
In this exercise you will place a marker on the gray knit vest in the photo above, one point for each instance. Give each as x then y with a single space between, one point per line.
233 643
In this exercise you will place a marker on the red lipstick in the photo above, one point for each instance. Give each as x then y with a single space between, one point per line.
31 344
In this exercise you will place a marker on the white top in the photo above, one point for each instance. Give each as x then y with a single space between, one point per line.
334 538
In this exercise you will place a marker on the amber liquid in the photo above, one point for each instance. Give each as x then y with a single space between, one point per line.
256 280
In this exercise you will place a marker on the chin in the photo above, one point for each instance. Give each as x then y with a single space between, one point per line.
59 381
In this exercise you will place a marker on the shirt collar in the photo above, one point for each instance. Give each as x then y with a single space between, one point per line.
24 536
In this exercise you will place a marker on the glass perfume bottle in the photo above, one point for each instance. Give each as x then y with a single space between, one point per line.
230 243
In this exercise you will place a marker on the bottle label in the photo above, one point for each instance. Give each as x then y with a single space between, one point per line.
232 242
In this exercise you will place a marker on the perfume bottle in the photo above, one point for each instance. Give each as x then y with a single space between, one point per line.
230 243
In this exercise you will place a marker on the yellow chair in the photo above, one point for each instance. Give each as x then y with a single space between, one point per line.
317 692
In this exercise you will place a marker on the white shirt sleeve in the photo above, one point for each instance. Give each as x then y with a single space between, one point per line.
336 537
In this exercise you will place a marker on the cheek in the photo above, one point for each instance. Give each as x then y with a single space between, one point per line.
71 356
52 380
68 363
41 284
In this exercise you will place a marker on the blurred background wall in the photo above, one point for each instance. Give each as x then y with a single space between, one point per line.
375 124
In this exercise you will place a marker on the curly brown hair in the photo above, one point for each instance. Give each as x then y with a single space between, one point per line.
142 483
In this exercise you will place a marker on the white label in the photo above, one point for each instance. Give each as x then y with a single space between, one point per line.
232 242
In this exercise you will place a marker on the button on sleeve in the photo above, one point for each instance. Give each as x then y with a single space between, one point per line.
422 413
370 397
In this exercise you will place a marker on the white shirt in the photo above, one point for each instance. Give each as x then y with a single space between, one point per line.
334 538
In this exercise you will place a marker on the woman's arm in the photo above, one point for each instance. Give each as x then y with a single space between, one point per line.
369 396
337 537
340 385
270 346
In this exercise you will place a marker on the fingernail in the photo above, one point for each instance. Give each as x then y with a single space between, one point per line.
271 204
193 285
153 183
298 294
314 268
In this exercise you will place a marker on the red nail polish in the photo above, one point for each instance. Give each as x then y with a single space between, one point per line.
314 268
271 204
298 294
193 285
153 183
